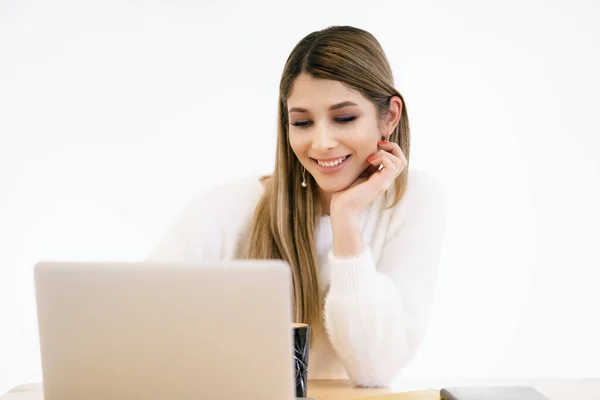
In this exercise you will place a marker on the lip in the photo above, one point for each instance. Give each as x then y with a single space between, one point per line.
331 170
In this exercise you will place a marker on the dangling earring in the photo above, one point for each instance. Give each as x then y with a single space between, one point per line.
304 177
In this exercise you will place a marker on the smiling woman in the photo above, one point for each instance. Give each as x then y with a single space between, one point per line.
334 143
362 238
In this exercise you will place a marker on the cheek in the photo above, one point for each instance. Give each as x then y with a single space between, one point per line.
297 144
363 140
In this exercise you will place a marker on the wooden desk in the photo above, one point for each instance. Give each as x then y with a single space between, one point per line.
343 390
318 389
410 389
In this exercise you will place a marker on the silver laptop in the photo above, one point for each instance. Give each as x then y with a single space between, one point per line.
156 331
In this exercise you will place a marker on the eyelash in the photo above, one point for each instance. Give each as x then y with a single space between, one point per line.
343 120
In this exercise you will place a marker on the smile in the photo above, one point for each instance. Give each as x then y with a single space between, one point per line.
332 164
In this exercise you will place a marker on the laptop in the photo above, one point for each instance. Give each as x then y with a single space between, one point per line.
155 331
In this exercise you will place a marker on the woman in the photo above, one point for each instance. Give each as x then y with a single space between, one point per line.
362 238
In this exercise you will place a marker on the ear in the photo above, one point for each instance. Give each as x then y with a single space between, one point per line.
393 116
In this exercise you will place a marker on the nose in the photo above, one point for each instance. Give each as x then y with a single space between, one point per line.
323 139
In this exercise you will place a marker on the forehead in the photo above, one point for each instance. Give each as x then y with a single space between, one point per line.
310 92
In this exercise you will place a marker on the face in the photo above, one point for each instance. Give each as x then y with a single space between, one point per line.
332 131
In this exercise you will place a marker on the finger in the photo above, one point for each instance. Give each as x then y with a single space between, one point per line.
389 165
393 148
382 179
400 163
376 165
390 169
381 162
377 158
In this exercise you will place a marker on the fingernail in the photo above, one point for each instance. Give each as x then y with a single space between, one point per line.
383 142
372 156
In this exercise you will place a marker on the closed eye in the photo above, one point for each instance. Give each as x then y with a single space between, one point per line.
341 120
301 123
344 120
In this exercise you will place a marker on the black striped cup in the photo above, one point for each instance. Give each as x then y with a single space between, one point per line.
301 340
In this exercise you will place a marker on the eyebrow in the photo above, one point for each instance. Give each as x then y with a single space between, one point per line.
333 107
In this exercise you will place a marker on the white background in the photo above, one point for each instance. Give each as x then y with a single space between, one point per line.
114 114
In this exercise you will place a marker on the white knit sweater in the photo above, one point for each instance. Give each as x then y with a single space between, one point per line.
376 305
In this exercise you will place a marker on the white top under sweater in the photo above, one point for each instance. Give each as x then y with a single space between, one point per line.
376 305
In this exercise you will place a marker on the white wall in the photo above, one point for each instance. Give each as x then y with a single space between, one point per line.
112 115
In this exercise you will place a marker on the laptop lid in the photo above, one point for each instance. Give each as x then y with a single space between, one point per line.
158 331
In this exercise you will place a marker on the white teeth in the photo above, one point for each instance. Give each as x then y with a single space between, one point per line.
331 163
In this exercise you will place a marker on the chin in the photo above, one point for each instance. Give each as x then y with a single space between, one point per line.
335 185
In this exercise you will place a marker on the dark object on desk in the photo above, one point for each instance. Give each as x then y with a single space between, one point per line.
301 347
491 393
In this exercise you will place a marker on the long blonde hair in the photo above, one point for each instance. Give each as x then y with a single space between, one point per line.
284 222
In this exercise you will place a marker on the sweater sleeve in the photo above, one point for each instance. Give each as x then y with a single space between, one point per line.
376 311
193 236
209 228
